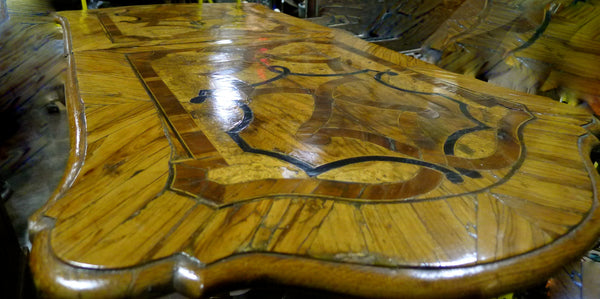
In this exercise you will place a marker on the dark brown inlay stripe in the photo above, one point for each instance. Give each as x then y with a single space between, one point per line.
109 26
183 124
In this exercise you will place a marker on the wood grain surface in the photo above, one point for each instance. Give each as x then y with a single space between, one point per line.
222 146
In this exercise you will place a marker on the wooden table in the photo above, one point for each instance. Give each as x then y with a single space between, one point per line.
219 146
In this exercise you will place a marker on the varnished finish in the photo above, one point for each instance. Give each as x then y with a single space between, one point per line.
230 146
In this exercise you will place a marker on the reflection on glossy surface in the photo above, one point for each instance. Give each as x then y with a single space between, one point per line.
225 98
337 104
80 285
303 148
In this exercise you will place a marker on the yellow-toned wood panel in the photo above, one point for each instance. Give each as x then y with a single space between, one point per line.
446 227
148 227
391 228
263 238
548 141
181 237
549 194
552 220
503 229
230 231
109 164
570 176
541 124
343 219
98 85
299 226
80 234
101 119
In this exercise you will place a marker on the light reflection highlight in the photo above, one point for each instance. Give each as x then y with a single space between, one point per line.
81 284
469 258
223 102
224 42
188 274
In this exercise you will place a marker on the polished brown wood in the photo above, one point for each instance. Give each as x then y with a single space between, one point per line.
224 146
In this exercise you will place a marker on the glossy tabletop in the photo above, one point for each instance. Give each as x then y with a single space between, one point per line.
222 146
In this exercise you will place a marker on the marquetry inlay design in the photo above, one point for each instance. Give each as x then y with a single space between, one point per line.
326 120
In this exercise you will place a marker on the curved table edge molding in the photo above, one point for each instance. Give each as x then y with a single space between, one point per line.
77 127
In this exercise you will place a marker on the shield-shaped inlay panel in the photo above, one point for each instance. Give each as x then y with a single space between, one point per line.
322 119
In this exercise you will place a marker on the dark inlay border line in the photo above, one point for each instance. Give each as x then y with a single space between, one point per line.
312 171
469 94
